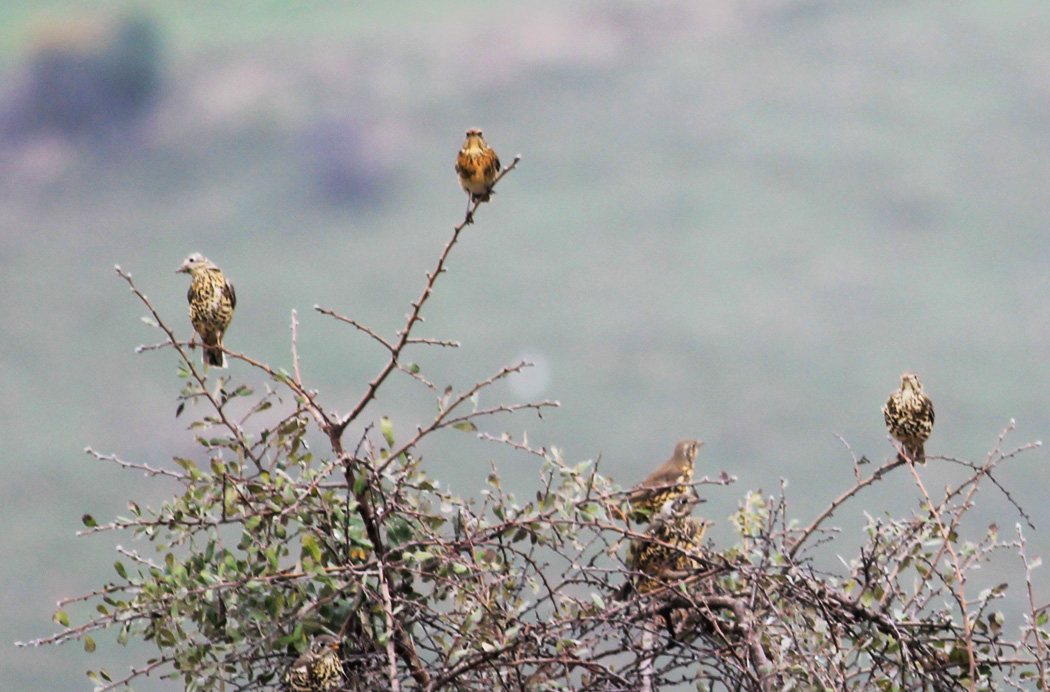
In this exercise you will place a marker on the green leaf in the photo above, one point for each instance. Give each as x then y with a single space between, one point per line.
311 547
119 566
89 644
442 402
466 426
387 428
413 368
186 464
89 521
61 618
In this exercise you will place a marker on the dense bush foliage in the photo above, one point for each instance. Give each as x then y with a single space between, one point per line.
284 527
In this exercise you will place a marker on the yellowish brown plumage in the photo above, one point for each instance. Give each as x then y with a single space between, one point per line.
909 417
669 480
672 547
317 670
212 301
477 166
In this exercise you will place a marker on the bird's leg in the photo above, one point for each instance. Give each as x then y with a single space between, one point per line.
470 214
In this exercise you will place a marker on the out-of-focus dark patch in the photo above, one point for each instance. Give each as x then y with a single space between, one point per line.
86 80
345 164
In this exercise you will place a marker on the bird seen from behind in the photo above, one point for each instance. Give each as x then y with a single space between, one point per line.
477 166
668 481
909 418
212 301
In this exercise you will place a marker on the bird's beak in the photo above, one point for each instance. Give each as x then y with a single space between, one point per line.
182 269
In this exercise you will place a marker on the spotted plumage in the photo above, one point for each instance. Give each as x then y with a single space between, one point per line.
317 670
669 480
672 548
477 166
909 417
212 301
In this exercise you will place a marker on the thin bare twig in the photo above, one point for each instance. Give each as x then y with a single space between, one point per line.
838 502
197 376
404 334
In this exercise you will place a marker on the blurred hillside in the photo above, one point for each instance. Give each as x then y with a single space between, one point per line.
738 222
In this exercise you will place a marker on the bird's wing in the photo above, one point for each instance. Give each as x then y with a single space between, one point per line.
230 293
491 162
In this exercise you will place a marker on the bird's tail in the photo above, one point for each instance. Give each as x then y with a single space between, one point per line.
916 454
214 356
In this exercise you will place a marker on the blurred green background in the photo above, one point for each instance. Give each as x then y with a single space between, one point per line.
737 221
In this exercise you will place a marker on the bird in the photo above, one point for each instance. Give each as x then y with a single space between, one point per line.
909 418
212 301
317 670
477 166
668 481
672 547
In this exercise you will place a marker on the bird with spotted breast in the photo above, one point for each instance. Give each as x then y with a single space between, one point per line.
319 669
477 166
212 301
672 546
909 417
669 480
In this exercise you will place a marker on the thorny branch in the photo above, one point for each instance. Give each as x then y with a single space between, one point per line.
429 591
196 374
404 335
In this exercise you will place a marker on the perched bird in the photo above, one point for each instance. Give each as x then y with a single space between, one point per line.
477 166
672 547
212 301
668 481
317 670
909 417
